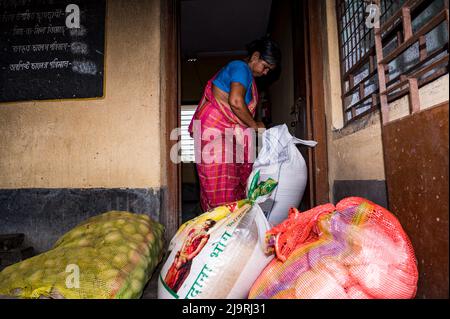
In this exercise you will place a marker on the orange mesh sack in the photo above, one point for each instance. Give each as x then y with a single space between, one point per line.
357 250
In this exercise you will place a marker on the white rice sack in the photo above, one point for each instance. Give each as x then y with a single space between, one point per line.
217 255
280 160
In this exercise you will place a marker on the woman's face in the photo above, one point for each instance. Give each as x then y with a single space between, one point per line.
258 66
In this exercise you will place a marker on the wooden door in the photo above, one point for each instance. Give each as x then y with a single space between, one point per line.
416 164
415 146
307 17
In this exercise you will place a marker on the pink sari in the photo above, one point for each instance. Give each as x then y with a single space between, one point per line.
221 182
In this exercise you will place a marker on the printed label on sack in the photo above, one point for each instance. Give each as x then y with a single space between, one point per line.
196 253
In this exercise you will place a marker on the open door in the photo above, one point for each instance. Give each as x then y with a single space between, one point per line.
416 163
306 43
309 98
297 97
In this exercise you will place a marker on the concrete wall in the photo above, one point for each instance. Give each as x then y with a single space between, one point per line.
64 161
110 142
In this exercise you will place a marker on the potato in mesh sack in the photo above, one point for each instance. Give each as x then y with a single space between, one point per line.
114 254
356 250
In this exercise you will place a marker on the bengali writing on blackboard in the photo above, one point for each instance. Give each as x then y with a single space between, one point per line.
40 48
38 16
14 4
17 32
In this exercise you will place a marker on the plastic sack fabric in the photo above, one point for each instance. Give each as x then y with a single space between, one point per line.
113 255
220 253
357 250
280 160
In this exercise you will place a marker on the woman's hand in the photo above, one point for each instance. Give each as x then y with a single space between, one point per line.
260 125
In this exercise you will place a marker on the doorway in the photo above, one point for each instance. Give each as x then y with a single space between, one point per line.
205 41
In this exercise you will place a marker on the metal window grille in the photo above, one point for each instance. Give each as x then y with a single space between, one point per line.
358 57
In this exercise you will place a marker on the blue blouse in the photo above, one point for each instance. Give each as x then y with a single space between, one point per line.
235 71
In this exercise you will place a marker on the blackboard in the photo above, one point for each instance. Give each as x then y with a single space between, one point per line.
42 58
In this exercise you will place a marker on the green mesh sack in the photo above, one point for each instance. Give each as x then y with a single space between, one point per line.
112 255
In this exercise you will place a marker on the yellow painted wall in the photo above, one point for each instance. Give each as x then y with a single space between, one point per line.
357 156
431 94
352 156
110 142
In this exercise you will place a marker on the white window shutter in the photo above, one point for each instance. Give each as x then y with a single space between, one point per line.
187 142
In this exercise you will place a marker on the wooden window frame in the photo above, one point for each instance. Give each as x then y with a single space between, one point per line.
398 25
347 75
409 82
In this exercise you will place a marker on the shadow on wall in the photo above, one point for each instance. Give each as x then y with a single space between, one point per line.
373 190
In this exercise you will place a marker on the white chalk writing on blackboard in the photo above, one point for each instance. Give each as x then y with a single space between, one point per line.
79 48
37 30
79 32
55 64
29 16
55 46
84 67
19 66
21 48
39 65
22 3
43 57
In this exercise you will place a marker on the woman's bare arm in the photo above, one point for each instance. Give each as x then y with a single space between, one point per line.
236 99
237 104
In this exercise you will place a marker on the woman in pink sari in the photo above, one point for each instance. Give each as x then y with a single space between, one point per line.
228 105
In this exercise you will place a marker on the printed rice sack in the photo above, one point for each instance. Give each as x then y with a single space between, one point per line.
220 253
280 160
357 250
112 255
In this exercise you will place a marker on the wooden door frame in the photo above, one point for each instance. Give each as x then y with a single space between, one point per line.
312 35
300 50
315 27
170 98
170 215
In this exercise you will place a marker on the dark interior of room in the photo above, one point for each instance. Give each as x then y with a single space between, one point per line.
208 41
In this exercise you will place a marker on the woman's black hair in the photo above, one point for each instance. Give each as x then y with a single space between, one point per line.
267 48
